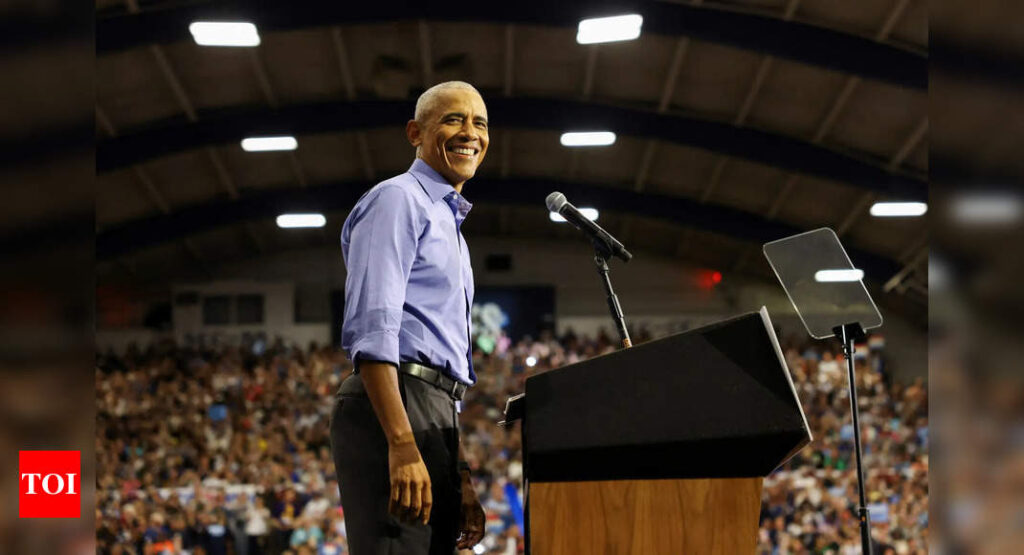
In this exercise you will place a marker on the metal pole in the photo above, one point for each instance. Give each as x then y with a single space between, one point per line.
613 301
862 511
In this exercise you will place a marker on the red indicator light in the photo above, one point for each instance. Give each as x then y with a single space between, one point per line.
708 279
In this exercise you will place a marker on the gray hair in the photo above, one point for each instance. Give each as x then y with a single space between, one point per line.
426 102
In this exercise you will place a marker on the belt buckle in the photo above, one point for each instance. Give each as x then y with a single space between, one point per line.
455 389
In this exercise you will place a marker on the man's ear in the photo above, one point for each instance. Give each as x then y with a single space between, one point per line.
413 133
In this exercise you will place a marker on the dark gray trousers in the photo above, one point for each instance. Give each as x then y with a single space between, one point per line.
360 453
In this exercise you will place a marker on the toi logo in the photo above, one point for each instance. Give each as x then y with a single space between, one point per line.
49 484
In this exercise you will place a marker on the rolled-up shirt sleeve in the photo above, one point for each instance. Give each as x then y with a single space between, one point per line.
382 241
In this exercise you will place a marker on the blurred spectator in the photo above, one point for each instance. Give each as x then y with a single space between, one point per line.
286 513
257 526
216 539
306 532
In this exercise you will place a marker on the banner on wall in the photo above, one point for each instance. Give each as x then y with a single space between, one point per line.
512 312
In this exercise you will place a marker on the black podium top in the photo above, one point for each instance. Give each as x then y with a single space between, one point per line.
713 402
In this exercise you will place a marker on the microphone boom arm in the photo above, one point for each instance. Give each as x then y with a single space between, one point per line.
601 260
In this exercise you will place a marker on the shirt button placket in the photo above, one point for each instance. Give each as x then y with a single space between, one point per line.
453 202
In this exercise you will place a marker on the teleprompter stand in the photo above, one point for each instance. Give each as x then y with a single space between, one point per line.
849 334
827 292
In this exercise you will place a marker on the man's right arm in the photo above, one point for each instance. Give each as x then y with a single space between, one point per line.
382 248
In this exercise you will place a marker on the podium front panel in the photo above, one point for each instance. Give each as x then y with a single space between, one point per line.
713 402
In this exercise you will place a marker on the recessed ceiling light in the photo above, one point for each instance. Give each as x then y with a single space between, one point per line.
224 33
264 144
840 275
588 213
289 221
987 208
896 209
588 138
609 29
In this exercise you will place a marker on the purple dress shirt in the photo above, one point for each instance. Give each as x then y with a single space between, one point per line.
409 284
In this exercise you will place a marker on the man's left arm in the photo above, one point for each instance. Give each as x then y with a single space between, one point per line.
471 514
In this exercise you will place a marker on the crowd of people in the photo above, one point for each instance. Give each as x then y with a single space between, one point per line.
218 450
809 505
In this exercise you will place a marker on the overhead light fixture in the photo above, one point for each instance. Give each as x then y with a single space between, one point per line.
588 213
897 209
264 144
841 275
588 138
609 29
291 221
987 208
224 33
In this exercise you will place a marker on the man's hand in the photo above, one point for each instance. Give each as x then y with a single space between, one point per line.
471 516
411 496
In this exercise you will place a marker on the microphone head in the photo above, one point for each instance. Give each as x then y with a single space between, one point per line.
556 201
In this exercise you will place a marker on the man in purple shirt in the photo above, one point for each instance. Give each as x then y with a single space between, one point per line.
405 485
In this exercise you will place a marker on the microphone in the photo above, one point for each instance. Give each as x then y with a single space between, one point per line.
602 239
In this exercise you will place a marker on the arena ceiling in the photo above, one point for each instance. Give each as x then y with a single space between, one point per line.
738 122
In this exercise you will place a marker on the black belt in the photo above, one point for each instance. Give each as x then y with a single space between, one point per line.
452 387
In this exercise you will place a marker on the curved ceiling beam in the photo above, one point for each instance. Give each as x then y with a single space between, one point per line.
558 115
767 35
522 191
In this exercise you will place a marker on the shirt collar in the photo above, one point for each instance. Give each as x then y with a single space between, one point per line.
438 188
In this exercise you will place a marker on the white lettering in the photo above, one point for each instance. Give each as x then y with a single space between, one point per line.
60 482
47 482
31 482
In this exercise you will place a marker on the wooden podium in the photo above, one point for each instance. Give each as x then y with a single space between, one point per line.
660 448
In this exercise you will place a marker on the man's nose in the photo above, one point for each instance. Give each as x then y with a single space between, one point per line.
468 130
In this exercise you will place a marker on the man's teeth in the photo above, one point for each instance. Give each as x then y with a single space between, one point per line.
466 151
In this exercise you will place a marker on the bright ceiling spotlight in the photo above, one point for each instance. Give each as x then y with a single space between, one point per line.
292 221
265 144
588 138
897 209
609 29
840 275
588 213
224 33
